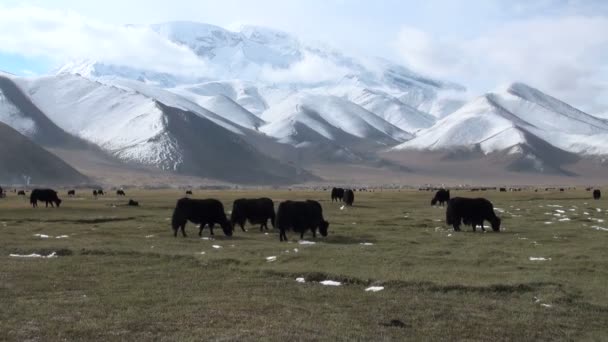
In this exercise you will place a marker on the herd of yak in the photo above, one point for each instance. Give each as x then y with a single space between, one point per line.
297 216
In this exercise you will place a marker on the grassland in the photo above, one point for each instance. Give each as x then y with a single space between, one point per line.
121 275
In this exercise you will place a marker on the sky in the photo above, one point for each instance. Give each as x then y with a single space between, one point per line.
559 46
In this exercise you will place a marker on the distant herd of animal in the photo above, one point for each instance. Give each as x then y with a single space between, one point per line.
297 216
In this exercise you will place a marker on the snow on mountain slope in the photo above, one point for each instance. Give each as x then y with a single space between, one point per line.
387 107
331 114
18 111
478 122
231 110
244 93
12 116
137 128
173 100
499 121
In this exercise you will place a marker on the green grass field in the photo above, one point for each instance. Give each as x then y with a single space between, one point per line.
121 275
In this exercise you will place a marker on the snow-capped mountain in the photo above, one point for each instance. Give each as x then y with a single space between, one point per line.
150 126
268 101
515 119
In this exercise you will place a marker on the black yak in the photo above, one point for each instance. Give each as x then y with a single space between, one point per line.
21 193
120 192
441 196
71 193
133 203
188 192
203 212
597 194
473 211
349 197
44 195
337 194
300 217
254 210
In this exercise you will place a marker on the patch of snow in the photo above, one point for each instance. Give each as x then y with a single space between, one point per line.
305 242
300 280
330 283
42 236
539 259
366 244
216 246
374 289
271 258
34 255
62 237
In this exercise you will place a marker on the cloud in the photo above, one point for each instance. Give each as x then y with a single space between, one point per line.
309 69
566 57
66 35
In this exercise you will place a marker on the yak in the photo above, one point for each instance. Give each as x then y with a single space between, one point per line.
337 194
44 195
473 211
349 197
254 210
201 211
441 196
597 194
300 216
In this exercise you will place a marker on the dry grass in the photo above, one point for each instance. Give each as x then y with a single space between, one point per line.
122 276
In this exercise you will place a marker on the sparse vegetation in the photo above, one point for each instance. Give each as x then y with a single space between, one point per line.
121 275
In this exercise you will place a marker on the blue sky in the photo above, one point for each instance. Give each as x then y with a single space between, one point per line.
559 46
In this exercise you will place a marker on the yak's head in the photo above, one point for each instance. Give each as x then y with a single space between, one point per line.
323 228
58 202
495 224
434 201
227 228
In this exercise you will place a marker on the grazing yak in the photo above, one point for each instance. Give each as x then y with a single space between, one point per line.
120 192
441 196
133 203
473 211
71 193
188 192
203 212
300 217
21 193
503 190
337 194
2 194
597 194
254 210
349 197
44 195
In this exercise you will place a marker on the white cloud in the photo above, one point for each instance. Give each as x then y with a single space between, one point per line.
310 69
66 35
566 57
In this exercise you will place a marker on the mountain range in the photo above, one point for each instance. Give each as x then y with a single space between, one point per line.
271 109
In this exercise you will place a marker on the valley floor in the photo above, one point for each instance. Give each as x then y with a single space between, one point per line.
119 274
